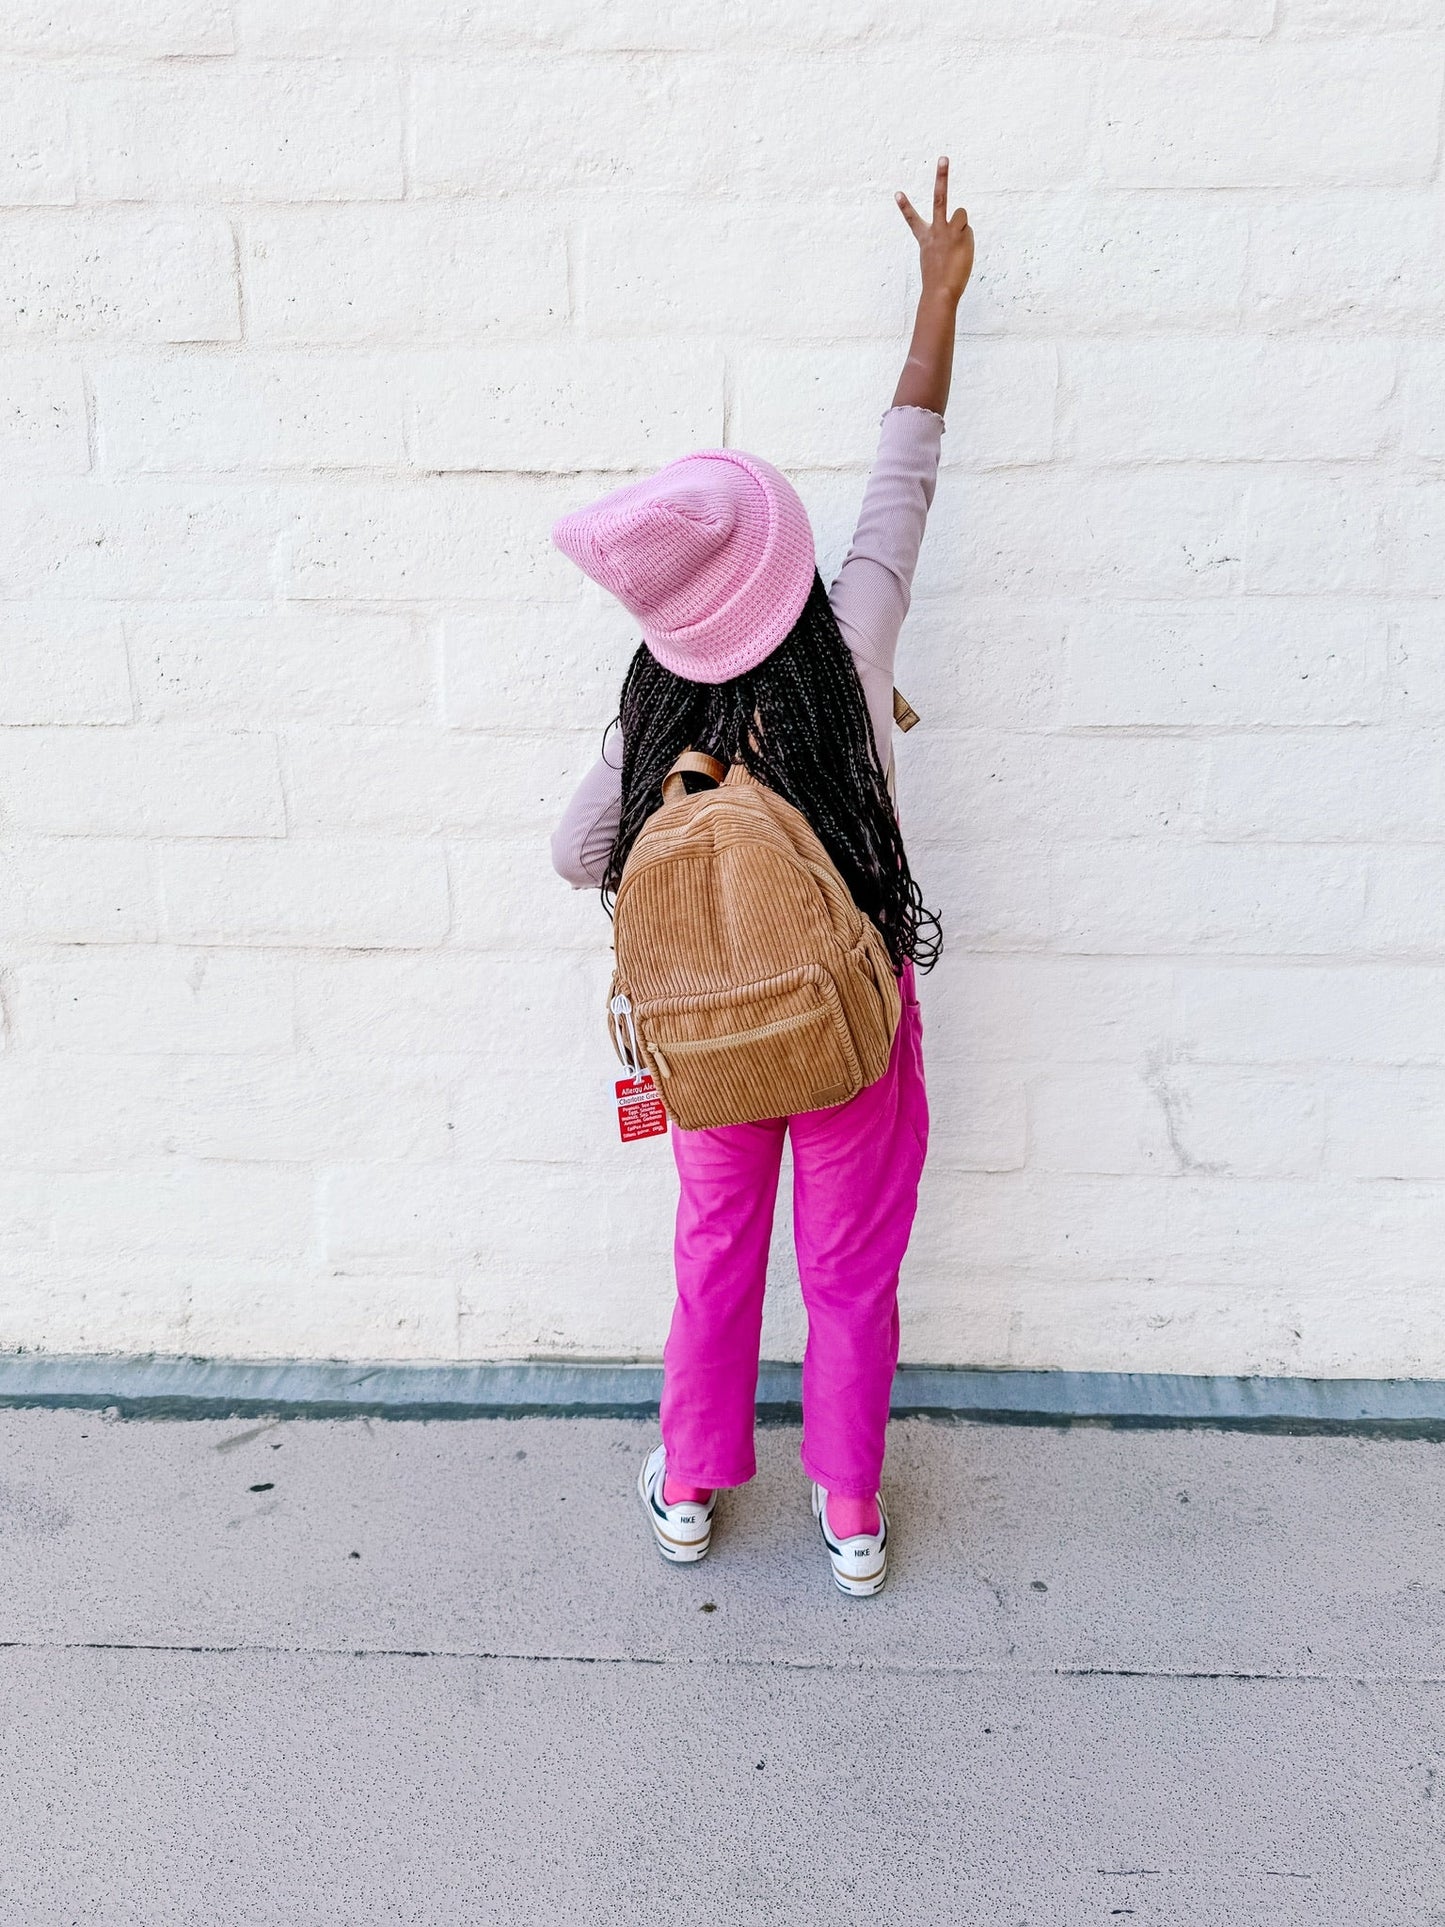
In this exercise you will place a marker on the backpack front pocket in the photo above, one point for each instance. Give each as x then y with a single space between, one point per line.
765 1050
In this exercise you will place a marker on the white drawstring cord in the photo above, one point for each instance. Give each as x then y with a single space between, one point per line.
626 1046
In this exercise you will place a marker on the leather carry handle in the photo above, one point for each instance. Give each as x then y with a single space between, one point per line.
692 762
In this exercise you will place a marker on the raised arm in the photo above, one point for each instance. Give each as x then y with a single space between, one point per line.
945 258
870 596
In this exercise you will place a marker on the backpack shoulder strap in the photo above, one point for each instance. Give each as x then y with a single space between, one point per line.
692 762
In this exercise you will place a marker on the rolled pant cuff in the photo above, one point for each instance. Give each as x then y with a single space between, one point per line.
708 1481
845 1488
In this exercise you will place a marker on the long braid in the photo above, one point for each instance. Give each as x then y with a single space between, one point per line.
799 723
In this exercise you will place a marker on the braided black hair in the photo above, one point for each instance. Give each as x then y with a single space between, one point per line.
799 723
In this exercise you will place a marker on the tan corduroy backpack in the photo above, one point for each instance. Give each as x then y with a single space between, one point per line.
751 981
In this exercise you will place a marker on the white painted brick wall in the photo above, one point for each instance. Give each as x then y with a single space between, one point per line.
312 317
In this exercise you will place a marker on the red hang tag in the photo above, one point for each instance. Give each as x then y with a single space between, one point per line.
640 1110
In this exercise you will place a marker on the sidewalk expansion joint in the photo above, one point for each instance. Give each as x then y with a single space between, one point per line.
222 1650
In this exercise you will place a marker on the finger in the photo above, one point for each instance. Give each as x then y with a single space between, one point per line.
911 215
958 220
940 191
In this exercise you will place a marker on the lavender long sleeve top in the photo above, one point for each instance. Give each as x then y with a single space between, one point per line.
870 599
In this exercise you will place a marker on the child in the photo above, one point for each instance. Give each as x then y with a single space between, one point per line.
746 657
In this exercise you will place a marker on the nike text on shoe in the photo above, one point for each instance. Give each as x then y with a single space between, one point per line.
684 1531
860 1564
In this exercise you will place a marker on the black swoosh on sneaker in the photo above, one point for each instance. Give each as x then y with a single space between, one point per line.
833 1545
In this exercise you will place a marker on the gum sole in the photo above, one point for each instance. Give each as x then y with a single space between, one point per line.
862 1588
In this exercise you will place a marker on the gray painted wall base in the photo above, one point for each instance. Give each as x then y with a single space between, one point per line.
237 1388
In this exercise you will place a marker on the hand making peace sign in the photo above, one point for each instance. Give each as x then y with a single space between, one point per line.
945 245
945 255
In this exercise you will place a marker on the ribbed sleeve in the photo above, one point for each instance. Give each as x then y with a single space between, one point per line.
582 839
871 595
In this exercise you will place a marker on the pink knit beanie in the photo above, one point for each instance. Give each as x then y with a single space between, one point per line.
713 555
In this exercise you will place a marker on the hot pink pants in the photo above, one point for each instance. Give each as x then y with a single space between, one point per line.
855 1188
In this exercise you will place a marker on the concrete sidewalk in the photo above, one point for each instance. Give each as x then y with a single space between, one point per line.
356 1672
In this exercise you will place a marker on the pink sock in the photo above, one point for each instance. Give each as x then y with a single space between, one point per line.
848 1517
675 1493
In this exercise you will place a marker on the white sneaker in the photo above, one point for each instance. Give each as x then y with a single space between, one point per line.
683 1531
860 1564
